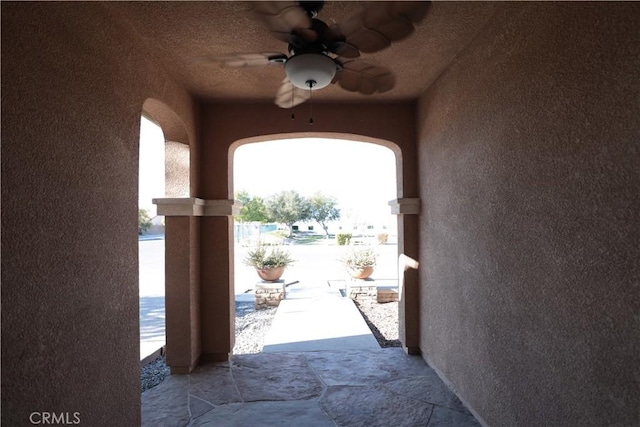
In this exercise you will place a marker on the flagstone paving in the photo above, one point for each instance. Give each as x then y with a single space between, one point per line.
374 387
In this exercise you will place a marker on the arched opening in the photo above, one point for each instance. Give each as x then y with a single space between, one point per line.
151 240
164 172
361 175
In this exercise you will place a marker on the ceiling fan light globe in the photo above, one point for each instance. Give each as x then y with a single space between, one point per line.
310 67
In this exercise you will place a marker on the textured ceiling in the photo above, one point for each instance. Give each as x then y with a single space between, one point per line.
177 33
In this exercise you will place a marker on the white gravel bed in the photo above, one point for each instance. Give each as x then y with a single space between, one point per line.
251 327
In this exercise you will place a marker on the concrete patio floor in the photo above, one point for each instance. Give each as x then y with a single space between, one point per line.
375 387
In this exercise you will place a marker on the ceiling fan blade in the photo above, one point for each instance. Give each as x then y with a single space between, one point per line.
345 50
359 76
288 96
284 18
245 60
336 42
376 27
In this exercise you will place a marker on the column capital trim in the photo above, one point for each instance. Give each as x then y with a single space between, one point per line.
193 206
405 206
223 207
179 206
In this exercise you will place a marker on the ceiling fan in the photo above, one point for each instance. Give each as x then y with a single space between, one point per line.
320 54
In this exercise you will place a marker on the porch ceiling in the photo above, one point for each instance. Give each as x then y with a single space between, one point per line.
178 32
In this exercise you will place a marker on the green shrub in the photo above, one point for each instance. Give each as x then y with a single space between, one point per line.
343 238
144 221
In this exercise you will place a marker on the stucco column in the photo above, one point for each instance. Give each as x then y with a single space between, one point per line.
408 289
182 285
217 301
199 296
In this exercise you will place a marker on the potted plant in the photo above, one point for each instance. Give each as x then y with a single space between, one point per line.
360 262
269 264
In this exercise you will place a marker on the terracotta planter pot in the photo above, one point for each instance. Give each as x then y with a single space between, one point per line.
270 274
362 272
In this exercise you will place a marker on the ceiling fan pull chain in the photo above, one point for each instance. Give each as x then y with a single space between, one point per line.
293 90
311 101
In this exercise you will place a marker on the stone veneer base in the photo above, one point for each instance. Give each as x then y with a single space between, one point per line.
269 294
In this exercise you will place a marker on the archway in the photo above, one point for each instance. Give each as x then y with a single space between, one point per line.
322 135
177 183
297 159
151 241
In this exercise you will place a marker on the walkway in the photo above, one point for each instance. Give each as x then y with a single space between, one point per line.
320 366
315 317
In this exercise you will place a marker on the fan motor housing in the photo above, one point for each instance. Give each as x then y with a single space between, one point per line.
310 70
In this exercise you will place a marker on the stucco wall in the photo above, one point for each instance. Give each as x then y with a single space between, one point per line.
73 86
529 152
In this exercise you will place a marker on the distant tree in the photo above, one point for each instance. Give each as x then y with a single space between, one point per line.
253 208
322 209
288 207
144 220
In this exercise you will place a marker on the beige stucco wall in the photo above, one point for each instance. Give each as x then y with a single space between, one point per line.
529 151
73 86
